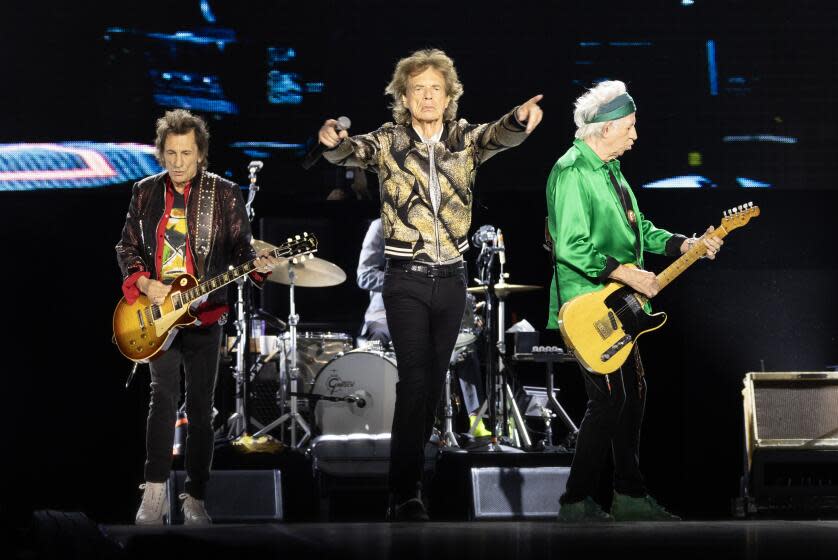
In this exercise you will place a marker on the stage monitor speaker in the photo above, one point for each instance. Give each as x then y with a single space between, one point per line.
791 433
517 492
234 496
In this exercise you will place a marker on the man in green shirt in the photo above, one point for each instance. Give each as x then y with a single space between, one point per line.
597 229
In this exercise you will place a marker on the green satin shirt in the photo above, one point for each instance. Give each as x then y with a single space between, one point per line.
588 224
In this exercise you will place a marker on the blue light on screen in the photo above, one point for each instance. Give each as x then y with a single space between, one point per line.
73 165
712 73
284 88
680 182
747 183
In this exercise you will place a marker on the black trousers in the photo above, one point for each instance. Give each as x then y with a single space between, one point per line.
612 423
197 350
424 314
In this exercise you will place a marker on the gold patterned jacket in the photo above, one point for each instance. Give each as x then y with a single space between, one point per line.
402 161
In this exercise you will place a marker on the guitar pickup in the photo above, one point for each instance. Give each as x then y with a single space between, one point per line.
140 318
613 319
614 348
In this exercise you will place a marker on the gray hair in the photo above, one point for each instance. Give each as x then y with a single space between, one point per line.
589 103
415 64
181 121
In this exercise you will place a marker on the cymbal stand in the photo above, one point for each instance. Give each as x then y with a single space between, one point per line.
499 395
293 370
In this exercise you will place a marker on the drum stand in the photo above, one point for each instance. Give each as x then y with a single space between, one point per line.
293 413
448 438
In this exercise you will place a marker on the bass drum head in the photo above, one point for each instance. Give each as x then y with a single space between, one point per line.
370 376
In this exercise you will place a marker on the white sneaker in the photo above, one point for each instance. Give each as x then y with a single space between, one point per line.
155 507
194 512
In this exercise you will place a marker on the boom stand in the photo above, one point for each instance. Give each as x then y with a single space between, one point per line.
294 372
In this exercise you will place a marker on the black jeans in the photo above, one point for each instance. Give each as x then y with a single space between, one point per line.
612 422
424 315
197 349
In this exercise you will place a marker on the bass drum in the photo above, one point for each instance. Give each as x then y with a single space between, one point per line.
370 377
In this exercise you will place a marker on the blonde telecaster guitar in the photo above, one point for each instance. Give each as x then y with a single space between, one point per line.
601 327
142 330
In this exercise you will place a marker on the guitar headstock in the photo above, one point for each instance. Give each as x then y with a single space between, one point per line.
740 215
298 247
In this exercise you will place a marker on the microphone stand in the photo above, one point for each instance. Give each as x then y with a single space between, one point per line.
238 421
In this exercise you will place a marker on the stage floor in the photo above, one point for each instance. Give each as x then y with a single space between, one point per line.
795 540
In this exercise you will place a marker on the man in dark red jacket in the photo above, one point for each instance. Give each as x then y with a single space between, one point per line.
184 220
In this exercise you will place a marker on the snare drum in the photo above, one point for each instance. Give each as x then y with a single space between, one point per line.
371 377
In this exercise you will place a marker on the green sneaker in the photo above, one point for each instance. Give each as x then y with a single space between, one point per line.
480 430
584 511
628 508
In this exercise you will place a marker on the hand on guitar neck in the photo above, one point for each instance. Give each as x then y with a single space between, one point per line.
712 243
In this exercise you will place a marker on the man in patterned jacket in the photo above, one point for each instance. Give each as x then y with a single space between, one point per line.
426 164
184 220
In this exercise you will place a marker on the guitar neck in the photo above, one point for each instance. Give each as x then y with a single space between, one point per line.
225 278
686 260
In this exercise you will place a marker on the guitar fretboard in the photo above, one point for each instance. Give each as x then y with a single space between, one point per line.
698 250
230 276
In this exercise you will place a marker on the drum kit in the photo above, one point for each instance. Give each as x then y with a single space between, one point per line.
325 385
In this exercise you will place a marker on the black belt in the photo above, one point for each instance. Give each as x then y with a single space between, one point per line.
429 270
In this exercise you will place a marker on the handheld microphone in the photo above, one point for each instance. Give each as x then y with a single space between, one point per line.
314 154
255 166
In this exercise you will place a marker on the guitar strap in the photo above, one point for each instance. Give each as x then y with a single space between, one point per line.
625 201
203 241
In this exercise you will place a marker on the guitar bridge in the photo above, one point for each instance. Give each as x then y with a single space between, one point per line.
606 326
614 348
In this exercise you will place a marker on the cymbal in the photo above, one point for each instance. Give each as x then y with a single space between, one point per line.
311 272
502 289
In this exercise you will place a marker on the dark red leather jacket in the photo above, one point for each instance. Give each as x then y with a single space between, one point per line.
136 251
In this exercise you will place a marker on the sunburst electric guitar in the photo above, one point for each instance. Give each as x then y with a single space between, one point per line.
141 329
601 327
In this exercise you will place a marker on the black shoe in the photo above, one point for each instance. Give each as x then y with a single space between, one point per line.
412 510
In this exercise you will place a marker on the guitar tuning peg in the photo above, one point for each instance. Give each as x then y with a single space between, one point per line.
305 234
310 257
741 208
724 213
294 260
750 205
290 240
297 237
